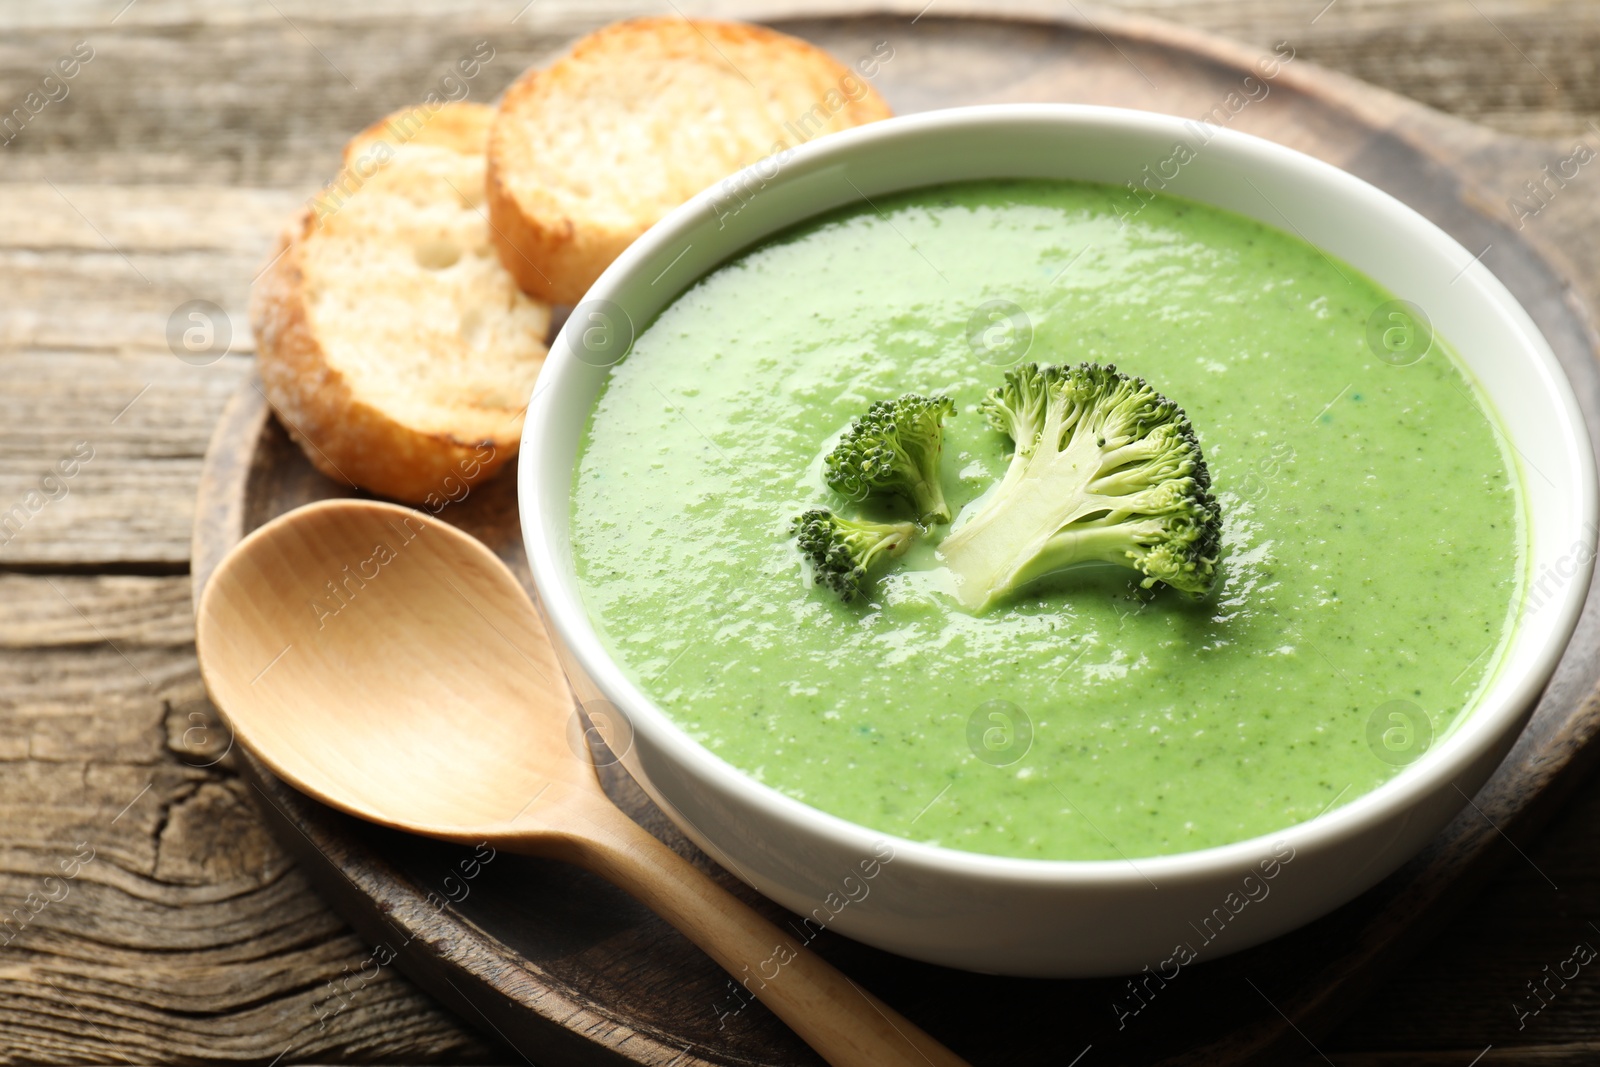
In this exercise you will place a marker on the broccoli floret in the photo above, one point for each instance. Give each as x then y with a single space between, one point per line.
843 552
1106 469
894 450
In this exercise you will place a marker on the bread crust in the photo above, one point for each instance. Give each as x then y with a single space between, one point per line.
556 250
343 435
460 127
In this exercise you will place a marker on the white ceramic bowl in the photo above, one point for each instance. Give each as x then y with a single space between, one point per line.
1067 918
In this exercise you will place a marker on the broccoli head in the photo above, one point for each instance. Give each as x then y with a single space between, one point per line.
893 450
1106 470
844 552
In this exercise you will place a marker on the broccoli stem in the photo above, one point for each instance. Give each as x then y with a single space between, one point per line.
927 496
1105 470
1019 535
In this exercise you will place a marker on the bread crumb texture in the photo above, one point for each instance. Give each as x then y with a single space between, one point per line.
587 153
392 343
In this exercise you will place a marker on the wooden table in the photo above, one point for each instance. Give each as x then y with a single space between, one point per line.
162 920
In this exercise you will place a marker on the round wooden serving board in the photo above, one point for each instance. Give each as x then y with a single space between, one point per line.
566 970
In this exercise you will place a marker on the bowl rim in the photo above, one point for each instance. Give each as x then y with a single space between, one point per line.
1474 733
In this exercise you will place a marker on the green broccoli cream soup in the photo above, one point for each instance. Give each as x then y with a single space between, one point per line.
1371 541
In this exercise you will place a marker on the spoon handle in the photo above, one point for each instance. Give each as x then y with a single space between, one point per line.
846 1025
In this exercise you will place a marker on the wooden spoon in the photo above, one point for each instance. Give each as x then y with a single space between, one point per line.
390 665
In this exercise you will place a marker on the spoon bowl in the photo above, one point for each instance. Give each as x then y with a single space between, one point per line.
450 736
390 665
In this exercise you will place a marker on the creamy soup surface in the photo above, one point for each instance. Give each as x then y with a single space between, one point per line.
1372 543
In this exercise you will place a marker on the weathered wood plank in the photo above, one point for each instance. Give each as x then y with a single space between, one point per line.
102 268
189 934
154 219
47 613
1524 68
132 432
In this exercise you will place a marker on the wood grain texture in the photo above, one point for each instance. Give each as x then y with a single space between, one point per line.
193 132
190 933
1314 975
1522 67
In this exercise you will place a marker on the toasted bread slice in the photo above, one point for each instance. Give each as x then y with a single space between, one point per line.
586 154
393 346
